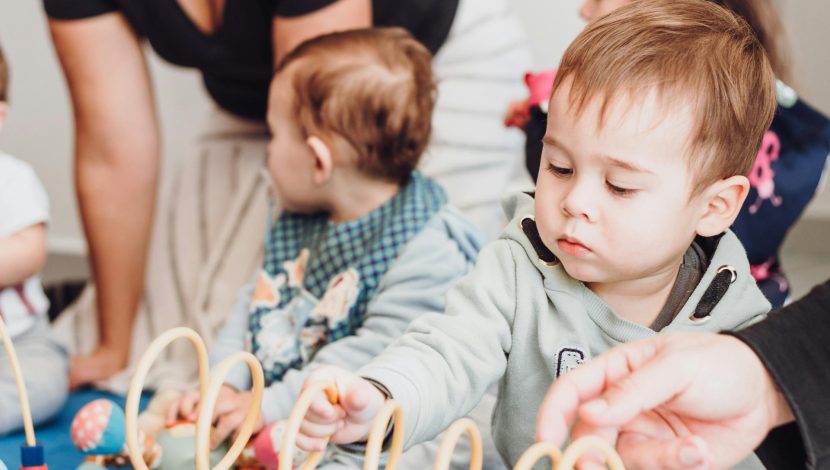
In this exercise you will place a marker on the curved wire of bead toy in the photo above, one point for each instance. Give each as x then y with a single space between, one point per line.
209 387
379 431
25 411
210 384
31 453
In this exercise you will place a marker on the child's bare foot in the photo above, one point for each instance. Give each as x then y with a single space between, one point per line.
102 364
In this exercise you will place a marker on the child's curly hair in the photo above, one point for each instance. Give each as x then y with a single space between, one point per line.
372 87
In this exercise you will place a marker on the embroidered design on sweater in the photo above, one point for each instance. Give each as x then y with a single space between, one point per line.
318 277
568 359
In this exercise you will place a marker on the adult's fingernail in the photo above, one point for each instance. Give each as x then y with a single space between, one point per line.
690 455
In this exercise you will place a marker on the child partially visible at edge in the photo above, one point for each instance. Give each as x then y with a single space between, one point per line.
44 361
656 116
364 245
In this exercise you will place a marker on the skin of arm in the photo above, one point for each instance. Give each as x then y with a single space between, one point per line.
117 153
22 254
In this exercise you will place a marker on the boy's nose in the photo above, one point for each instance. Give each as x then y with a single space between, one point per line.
577 203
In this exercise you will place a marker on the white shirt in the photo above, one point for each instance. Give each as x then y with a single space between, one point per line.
23 203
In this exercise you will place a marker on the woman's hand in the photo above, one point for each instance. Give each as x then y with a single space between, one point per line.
679 400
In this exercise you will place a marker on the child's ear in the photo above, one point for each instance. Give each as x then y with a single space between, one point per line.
725 198
4 109
323 159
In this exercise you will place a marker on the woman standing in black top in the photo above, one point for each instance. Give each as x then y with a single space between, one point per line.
206 241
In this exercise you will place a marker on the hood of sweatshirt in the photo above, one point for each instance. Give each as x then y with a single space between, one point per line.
726 298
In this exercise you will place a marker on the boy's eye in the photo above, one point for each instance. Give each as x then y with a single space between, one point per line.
619 191
558 170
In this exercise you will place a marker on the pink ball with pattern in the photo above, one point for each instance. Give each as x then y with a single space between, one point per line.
98 428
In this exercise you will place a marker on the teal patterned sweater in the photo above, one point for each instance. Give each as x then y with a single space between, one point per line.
346 311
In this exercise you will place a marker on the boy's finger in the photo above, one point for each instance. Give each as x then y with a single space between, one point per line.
320 430
172 413
224 407
226 425
321 410
339 415
310 444
189 405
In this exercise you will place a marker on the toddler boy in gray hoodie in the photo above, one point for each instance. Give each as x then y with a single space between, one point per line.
657 113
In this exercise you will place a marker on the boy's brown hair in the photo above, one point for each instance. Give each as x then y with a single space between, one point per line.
692 53
765 19
4 77
372 87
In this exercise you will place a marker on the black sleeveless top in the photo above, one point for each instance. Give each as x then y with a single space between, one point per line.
236 61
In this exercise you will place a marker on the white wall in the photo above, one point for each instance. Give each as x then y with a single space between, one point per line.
39 126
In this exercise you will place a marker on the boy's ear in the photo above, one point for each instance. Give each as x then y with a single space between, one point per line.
323 159
725 198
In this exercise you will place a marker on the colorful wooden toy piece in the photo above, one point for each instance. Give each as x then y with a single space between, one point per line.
178 448
265 448
209 386
98 428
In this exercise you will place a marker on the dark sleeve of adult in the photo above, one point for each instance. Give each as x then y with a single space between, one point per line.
794 344
288 8
77 9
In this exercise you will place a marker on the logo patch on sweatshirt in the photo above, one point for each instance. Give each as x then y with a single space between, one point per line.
567 359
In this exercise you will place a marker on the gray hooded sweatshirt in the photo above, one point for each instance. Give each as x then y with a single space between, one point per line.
522 321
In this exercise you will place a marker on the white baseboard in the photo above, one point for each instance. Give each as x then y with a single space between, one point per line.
71 246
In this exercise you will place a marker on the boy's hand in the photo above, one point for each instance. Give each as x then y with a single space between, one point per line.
348 421
230 411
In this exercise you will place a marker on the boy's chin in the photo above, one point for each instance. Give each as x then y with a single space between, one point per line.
583 273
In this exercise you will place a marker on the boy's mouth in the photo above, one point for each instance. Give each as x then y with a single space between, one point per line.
572 246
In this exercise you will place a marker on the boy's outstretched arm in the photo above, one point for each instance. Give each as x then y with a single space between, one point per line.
438 370
345 422
22 255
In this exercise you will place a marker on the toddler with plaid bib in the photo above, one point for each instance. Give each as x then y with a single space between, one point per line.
363 244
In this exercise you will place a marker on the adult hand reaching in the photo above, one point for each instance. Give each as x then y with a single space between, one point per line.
673 401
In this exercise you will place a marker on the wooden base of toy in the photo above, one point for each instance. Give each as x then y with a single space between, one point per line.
559 460
209 387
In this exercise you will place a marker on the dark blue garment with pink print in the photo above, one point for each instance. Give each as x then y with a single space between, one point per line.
784 179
